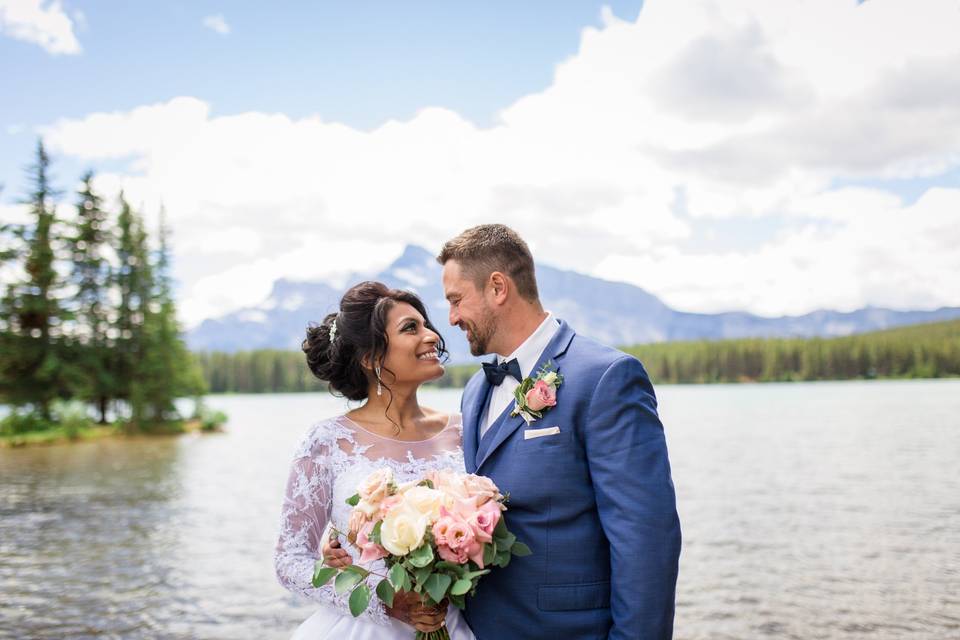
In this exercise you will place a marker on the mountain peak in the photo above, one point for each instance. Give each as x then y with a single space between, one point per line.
413 255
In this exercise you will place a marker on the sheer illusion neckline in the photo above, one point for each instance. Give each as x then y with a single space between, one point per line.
357 425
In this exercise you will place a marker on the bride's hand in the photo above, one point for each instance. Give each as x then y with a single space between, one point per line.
426 618
334 555
408 608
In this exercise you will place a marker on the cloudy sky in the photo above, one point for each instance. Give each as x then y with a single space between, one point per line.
772 156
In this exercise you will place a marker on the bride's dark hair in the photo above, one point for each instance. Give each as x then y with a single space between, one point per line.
360 333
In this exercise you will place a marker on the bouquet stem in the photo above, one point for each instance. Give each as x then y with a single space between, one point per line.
439 634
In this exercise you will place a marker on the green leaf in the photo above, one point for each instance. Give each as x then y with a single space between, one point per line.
437 585
345 581
489 552
426 483
451 566
353 500
322 574
502 559
471 575
500 530
458 601
359 600
506 541
385 592
421 556
398 577
360 571
520 550
460 587
375 533
421 575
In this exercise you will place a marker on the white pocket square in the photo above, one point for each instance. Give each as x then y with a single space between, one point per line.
530 434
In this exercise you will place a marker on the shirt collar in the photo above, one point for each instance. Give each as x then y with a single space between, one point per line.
529 352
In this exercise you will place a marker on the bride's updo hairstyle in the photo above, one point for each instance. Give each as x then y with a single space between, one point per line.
359 331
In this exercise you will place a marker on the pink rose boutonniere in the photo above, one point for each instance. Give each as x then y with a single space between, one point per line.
537 394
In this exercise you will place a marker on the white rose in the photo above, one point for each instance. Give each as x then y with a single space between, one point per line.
368 509
550 378
424 501
402 531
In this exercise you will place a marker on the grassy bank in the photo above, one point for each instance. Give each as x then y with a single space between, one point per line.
59 434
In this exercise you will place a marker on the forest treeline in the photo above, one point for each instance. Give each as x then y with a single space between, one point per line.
918 351
87 313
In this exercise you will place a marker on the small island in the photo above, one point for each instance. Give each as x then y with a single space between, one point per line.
89 337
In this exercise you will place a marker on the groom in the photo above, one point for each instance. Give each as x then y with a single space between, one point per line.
589 481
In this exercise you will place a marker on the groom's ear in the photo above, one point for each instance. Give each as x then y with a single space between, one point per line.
499 285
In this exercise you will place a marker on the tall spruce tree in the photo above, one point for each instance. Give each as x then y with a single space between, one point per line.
128 277
91 278
32 366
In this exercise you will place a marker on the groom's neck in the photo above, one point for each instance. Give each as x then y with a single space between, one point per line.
516 324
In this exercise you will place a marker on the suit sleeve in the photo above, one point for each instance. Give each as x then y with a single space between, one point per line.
627 455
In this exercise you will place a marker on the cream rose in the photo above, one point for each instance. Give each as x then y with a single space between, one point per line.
424 501
402 530
481 487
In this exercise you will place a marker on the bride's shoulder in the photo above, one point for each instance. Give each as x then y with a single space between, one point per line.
323 435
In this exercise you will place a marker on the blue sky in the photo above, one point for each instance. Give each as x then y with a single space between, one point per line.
745 154
356 63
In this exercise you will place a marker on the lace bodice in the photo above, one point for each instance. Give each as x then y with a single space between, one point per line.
328 466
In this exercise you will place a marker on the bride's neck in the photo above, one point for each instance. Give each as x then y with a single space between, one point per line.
402 407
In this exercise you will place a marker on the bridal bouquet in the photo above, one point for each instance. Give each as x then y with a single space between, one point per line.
437 537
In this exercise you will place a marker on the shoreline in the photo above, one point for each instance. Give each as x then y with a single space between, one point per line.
60 435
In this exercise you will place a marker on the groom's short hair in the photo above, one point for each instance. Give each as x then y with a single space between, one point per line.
487 248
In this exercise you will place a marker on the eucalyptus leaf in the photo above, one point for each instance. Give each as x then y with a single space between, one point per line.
460 587
471 575
421 575
398 577
437 585
489 552
451 566
360 571
421 556
359 600
385 592
375 533
345 581
322 575
354 500
520 550
500 530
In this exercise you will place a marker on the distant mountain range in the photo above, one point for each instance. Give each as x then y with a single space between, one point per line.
613 312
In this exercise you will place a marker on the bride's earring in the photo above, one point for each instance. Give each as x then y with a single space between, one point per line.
379 387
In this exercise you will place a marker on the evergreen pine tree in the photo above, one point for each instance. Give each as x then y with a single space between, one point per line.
32 366
91 277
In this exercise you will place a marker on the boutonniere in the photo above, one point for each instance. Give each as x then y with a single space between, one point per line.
537 394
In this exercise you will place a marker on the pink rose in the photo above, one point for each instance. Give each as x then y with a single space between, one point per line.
541 396
459 535
369 550
485 520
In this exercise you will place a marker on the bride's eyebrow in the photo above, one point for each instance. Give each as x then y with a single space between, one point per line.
406 319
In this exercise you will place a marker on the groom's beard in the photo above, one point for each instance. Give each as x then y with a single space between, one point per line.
479 335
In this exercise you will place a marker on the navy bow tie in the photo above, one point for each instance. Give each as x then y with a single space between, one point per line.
497 372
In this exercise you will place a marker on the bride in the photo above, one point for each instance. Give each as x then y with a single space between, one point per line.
380 347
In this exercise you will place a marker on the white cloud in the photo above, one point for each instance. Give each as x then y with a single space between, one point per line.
42 23
698 113
217 23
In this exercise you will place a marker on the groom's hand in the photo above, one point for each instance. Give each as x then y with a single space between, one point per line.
334 556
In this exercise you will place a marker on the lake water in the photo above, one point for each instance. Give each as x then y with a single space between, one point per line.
824 510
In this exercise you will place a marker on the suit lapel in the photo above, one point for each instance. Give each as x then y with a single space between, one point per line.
555 349
472 414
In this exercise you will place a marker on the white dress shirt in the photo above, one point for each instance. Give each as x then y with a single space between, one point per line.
527 355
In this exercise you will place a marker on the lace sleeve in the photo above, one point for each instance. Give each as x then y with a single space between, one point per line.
304 517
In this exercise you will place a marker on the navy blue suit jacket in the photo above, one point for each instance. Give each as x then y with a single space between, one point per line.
595 503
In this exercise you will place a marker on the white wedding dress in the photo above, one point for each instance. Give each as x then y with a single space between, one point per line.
329 464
